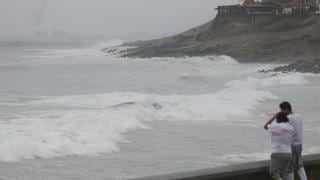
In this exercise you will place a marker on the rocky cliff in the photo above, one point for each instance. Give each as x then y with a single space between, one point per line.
245 38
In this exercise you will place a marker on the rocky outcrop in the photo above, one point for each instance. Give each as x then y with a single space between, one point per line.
245 38
303 66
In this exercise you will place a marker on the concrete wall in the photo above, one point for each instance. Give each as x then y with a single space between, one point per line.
246 171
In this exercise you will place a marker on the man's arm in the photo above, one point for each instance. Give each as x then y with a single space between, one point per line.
270 121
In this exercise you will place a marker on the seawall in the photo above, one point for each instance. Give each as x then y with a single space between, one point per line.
245 171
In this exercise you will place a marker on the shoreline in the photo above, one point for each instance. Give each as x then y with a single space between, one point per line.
312 66
284 39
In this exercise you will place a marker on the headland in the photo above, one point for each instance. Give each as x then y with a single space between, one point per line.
266 31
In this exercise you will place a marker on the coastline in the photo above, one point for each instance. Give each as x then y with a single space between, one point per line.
253 39
308 66
300 66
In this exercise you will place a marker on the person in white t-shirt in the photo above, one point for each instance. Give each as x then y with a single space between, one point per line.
281 138
296 164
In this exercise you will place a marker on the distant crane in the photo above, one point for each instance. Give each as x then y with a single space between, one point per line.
41 14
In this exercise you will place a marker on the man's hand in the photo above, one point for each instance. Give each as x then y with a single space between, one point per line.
270 121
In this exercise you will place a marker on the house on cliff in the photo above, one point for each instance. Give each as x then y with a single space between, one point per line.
248 8
254 7
271 8
295 7
231 10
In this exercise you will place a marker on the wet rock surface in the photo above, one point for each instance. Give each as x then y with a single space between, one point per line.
300 66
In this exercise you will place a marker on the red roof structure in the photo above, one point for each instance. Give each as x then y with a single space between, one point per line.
248 3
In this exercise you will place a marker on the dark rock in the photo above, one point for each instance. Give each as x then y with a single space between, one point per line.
269 38
303 66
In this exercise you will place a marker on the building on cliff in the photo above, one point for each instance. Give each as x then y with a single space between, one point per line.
248 8
231 10
254 7
271 8
295 7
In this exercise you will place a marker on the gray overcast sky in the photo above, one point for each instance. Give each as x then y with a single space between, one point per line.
107 17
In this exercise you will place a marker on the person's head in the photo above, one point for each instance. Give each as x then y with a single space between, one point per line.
282 118
285 107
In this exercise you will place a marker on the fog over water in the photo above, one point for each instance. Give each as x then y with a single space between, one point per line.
71 110
105 17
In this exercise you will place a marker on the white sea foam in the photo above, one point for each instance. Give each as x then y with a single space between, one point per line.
83 52
191 60
53 134
96 123
244 157
311 149
267 80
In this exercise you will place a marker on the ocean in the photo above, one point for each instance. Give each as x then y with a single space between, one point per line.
68 110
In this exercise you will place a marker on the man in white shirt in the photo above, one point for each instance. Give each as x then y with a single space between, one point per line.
296 164
295 120
281 138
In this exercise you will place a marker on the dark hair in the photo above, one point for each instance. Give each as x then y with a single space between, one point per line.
285 106
282 117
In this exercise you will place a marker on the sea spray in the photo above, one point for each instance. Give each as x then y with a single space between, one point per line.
94 124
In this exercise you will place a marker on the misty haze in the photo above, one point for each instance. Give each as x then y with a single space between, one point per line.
108 18
159 89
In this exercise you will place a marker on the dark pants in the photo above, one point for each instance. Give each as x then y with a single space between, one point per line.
279 165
